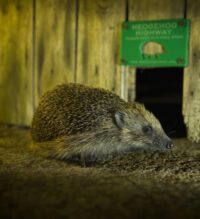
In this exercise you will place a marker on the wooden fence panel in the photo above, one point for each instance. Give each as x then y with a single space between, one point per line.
38 49
191 99
54 44
97 54
16 99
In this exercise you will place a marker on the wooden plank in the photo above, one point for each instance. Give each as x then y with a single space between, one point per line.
191 97
151 10
54 44
16 98
98 42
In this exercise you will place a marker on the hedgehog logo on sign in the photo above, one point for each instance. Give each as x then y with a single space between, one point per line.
152 49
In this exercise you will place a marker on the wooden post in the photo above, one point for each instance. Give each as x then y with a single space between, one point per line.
131 90
16 76
124 83
191 97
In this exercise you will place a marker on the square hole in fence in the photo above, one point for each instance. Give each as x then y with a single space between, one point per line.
160 90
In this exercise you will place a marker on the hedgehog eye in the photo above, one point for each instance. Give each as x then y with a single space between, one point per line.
147 129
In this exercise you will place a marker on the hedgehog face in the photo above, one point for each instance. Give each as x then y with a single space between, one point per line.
142 130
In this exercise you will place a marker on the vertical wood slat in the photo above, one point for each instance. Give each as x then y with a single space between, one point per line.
191 98
16 99
97 55
54 44
152 10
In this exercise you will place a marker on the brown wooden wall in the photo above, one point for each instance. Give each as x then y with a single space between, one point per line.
45 43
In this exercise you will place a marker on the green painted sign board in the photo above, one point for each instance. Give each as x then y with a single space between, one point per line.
159 43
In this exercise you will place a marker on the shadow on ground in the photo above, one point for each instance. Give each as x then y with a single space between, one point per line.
140 185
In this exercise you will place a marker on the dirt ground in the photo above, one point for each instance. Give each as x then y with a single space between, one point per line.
140 185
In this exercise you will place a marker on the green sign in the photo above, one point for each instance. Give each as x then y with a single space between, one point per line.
161 43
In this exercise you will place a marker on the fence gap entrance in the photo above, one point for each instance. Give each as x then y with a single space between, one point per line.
160 90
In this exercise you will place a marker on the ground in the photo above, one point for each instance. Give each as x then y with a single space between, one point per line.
139 185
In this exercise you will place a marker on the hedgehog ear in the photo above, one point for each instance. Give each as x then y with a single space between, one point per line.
119 119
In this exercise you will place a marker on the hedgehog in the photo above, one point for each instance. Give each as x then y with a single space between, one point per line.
81 124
